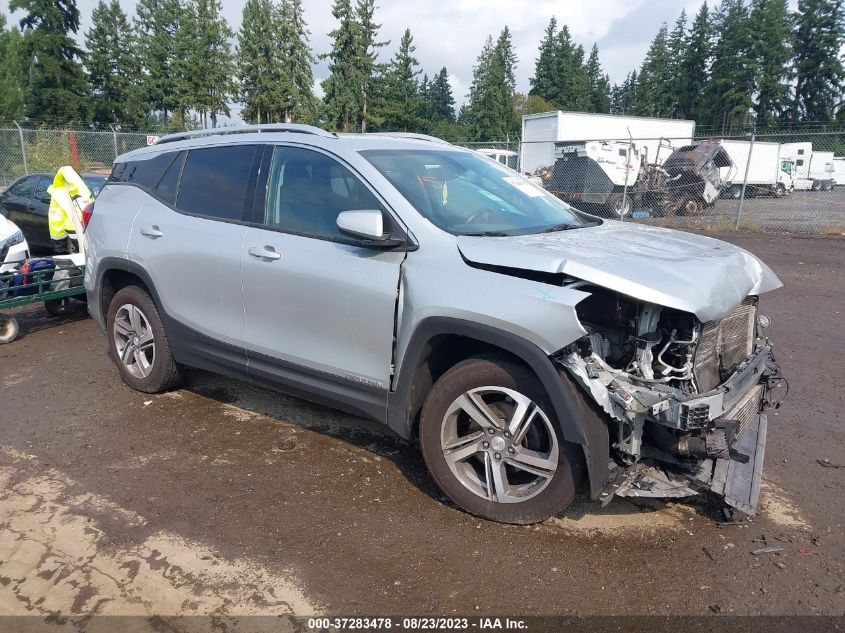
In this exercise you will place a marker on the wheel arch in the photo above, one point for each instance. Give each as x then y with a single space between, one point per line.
115 273
439 343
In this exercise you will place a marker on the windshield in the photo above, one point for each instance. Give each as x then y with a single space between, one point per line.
467 194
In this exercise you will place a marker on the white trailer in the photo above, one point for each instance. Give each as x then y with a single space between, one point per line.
839 170
654 138
811 170
762 174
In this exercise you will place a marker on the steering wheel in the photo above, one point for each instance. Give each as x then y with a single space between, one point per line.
481 212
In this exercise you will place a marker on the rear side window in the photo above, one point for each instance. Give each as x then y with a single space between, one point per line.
166 189
41 190
143 173
215 181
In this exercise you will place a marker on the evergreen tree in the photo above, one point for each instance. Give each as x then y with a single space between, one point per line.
340 88
403 100
694 66
212 62
770 23
654 84
184 78
544 81
491 115
424 107
294 63
599 83
112 66
256 61
441 99
731 85
572 85
156 28
676 45
479 115
368 72
819 33
57 88
12 72
625 95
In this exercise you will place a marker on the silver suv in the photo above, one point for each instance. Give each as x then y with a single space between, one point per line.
528 347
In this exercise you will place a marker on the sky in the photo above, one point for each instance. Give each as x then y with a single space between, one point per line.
451 33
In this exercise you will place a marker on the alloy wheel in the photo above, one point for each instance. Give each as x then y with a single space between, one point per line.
499 444
134 341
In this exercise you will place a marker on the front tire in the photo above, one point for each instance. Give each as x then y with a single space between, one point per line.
138 342
490 439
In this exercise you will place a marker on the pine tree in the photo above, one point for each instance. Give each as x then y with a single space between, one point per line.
212 63
441 99
184 78
479 114
571 85
57 88
256 61
728 93
819 33
341 88
544 81
424 107
368 72
12 75
599 83
156 27
491 114
694 66
770 23
402 101
654 84
112 66
676 45
625 95
295 60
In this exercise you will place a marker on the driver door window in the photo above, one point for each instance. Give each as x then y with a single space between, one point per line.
308 190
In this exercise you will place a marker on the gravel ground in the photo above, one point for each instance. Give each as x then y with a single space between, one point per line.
221 498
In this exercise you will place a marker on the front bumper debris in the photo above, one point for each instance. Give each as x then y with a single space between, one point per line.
723 432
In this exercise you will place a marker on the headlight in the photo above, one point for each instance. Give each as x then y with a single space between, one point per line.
763 321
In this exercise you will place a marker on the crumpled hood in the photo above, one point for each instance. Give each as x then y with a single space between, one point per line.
688 272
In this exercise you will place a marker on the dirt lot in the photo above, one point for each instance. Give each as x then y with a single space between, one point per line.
224 499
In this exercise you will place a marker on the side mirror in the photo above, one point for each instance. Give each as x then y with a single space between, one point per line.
368 226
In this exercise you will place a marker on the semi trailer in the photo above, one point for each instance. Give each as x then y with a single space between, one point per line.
759 167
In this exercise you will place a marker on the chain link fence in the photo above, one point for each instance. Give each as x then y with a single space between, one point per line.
766 182
26 151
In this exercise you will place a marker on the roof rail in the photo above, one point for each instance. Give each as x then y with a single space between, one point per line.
413 136
297 128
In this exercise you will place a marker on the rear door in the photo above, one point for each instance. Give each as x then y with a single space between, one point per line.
37 211
188 237
314 300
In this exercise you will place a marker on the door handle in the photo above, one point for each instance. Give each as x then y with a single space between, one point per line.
151 232
265 252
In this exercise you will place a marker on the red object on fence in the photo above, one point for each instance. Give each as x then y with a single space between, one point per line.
74 152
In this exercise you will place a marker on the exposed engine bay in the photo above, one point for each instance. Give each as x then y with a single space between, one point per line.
686 398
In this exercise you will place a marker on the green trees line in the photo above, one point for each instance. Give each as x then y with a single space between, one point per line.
177 64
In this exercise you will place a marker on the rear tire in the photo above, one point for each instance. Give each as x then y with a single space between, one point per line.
138 342
479 464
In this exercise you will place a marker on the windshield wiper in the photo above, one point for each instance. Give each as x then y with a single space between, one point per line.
487 234
554 228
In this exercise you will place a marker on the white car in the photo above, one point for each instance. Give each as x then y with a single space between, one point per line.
13 245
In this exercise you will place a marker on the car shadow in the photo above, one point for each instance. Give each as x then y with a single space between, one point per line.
380 440
359 432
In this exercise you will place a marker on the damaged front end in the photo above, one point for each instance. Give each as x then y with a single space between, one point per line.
686 398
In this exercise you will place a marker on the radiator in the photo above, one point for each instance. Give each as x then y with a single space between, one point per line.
724 345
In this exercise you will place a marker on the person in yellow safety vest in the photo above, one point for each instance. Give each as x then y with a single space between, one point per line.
68 196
